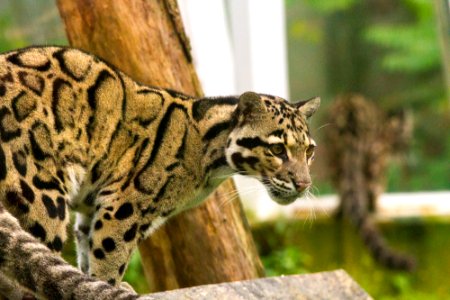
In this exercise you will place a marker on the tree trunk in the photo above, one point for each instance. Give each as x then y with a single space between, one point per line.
145 39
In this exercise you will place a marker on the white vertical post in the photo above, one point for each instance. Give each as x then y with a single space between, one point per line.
247 54
259 41
207 27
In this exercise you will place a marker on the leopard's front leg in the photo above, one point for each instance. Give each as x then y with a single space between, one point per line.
115 231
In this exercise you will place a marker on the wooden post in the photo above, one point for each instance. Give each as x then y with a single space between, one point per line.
145 39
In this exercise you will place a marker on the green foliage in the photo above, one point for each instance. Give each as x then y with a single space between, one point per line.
289 260
304 30
410 48
329 244
390 53
24 23
7 42
327 6
422 9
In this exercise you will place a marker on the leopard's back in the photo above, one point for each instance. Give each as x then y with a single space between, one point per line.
77 133
66 96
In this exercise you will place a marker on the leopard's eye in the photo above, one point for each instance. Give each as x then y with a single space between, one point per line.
277 149
310 151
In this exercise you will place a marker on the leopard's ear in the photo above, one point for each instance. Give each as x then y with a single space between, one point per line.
308 107
250 103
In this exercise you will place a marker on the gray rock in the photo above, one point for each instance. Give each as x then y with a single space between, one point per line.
325 285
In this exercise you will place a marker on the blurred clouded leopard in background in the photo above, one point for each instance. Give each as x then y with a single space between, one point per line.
360 141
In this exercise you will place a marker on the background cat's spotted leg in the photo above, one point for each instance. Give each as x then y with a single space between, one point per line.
82 229
114 234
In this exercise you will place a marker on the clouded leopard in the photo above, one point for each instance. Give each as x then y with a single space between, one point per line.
76 133
360 142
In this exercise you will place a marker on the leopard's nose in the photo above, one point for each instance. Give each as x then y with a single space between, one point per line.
301 185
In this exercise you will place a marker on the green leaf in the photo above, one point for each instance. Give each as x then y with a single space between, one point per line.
409 48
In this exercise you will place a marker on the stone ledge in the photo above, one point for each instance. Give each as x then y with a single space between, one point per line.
325 285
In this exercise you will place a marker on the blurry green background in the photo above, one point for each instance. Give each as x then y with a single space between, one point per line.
387 50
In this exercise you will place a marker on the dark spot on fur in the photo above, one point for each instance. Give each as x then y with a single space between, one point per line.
130 234
121 269
61 208
15 200
6 133
124 211
50 206
112 281
143 228
38 153
99 254
50 246
27 192
108 244
38 231
23 105
60 175
57 244
98 225
53 184
3 170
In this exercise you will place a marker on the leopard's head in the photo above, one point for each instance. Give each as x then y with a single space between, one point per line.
270 141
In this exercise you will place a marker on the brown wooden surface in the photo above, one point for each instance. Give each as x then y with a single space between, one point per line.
145 39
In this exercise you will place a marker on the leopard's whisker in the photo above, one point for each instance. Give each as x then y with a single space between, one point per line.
323 126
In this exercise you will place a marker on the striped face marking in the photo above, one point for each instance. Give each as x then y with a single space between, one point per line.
272 143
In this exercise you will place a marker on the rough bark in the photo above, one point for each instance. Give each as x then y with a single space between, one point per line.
145 39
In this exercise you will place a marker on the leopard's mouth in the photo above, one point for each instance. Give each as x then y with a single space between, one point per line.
280 194
282 197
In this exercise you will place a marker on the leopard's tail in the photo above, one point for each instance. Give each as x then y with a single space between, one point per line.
354 206
377 245
357 154
46 275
